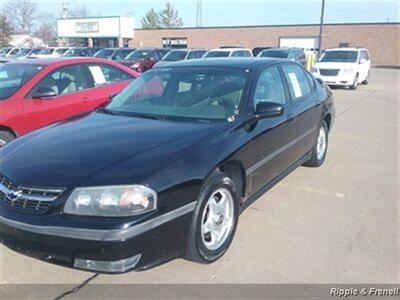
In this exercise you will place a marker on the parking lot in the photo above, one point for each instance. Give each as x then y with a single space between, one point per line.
334 224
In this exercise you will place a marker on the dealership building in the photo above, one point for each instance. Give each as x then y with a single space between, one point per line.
98 31
381 39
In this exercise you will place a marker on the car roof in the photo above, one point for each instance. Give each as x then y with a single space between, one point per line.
253 63
60 60
345 49
228 49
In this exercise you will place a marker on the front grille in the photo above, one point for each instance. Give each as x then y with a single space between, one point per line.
329 72
30 200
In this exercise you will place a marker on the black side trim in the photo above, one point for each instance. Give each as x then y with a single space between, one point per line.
251 199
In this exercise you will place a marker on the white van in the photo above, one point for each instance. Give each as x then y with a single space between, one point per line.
345 67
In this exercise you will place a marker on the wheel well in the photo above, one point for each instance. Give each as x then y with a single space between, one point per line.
328 120
9 130
235 170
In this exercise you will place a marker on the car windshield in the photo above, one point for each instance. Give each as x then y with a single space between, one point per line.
13 76
74 52
24 51
139 54
339 56
277 53
212 54
4 51
174 56
105 53
47 51
209 94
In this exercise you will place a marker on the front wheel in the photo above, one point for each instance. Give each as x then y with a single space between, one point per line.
355 83
214 219
318 152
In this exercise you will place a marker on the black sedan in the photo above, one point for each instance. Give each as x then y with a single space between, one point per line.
166 168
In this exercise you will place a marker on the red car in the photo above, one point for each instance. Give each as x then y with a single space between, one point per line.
38 92
143 59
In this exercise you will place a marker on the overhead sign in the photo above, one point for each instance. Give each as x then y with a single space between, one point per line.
86 27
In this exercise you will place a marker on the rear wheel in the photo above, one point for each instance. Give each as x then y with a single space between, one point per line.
5 137
320 147
365 82
214 219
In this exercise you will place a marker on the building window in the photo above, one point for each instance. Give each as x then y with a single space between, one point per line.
174 43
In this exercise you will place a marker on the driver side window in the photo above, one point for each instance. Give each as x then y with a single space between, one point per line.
63 81
269 87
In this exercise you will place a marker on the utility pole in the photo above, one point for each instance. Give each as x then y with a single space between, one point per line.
198 14
65 9
321 28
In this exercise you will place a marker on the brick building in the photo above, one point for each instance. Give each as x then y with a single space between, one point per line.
382 39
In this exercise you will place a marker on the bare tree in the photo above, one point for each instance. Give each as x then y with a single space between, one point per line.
79 12
47 29
22 15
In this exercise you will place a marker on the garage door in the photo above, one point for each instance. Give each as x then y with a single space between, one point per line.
307 43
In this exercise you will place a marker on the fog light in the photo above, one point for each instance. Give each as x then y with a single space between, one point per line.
117 266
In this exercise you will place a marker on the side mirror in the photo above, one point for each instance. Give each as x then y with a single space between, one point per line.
44 92
268 110
363 61
111 96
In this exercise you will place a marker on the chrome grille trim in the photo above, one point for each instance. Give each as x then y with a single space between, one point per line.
29 199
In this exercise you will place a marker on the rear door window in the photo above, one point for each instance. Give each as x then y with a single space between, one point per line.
299 84
105 74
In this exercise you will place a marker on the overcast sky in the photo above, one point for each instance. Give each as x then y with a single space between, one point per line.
241 12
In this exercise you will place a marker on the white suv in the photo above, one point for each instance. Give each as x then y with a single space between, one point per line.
343 67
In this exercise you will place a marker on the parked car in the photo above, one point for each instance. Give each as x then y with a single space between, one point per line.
113 53
166 168
38 92
346 67
20 53
144 59
294 54
180 54
51 52
257 50
81 52
4 51
228 52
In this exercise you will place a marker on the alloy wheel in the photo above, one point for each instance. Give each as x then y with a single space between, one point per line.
321 143
217 219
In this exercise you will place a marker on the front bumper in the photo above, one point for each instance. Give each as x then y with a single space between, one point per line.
110 251
338 80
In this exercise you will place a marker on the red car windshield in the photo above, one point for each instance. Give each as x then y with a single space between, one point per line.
137 54
13 76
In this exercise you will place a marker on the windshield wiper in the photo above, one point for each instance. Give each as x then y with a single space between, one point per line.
147 116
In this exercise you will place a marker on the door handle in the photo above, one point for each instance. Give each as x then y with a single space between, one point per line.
86 99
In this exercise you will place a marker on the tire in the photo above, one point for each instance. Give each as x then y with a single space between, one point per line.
201 246
317 159
5 137
355 83
366 81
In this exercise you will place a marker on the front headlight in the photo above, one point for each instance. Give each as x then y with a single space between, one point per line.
111 201
135 66
314 70
348 71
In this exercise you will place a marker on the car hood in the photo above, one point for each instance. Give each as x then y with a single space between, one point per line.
334 65
76 151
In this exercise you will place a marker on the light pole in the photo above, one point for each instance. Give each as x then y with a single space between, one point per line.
321 28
